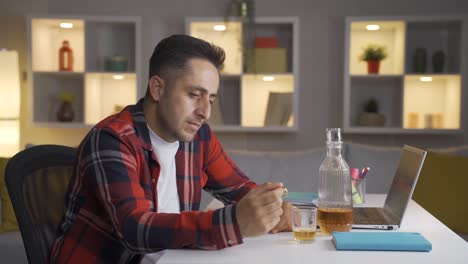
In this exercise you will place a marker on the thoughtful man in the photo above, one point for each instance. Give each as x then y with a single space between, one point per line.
139 174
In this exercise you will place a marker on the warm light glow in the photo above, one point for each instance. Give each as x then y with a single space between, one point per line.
372 27
118 77
425 79
10 106
268 78
66 25
219 27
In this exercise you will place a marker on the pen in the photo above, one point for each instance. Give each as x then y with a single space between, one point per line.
364 172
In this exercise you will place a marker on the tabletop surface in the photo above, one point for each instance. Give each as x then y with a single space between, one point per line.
447 246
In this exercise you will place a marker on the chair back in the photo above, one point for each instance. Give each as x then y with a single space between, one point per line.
37 180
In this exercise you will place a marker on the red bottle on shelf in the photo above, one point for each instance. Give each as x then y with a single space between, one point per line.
65 57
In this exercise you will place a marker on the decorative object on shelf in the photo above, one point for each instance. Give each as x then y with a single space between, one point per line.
266 60
419 60
266 57
413 120
10 93
437 121
438 61
373 54
266 42
279 109
65 57
428 121
116 63
65 112
371 116
244 9
118 108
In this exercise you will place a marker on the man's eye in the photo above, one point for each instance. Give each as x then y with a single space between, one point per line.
194 95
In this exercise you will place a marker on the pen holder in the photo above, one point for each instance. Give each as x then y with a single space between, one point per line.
358 189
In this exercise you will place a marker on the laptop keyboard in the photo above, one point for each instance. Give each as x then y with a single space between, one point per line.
369 216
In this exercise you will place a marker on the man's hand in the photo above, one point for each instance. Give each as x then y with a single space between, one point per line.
285 223
260 209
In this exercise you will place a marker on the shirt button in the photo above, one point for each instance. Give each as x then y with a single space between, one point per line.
153 180
230 241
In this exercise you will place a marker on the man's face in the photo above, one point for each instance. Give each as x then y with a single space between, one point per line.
186 104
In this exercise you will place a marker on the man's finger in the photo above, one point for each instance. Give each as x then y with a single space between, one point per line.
266 187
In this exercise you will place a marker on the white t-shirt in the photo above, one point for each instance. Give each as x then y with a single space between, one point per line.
168 198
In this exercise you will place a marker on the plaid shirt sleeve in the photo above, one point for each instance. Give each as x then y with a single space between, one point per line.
110 166
226 182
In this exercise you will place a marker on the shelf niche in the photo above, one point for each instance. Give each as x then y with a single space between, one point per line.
432 104
391 34
267 103
433 36
106 95
46 39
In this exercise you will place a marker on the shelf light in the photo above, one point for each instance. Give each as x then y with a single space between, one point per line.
425 79
372 27
66 25
219 27
268 78
118 77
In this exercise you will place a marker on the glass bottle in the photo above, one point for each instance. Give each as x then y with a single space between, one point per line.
335 206
65 57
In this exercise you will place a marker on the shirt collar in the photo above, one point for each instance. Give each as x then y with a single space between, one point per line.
141 128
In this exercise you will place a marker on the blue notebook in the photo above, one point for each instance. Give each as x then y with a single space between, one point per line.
381 241
302 198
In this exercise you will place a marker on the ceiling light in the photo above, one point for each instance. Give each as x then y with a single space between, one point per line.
425 79
118 77
372 27
268 78
66 25
219 27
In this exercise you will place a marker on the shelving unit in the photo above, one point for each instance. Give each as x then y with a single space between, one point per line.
412 98
258 86
97 89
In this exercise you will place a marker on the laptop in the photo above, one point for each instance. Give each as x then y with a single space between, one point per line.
391 215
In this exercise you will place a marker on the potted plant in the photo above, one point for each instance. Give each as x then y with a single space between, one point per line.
65 112
371 116
373 54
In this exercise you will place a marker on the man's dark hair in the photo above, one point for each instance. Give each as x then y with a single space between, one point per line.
171 55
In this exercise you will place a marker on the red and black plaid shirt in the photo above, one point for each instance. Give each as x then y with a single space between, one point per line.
111 213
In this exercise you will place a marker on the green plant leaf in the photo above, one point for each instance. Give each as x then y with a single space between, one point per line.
373 52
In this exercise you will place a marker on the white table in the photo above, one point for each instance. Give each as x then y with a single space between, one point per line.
447 246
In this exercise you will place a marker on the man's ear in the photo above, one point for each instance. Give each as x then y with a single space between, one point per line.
156 87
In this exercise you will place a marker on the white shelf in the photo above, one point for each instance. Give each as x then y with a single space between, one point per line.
71 125
46 40
105 95
93 40
409 105
243 97
266 103
398 130
391 35
376 76
269 129
230 40
432 104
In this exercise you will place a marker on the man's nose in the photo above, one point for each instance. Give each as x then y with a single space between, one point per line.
204 108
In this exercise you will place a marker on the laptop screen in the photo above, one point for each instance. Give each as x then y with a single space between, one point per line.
404 181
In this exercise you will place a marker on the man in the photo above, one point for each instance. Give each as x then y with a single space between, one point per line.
139 173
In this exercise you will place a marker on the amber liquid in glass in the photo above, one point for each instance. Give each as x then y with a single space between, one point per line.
335 219
304 234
